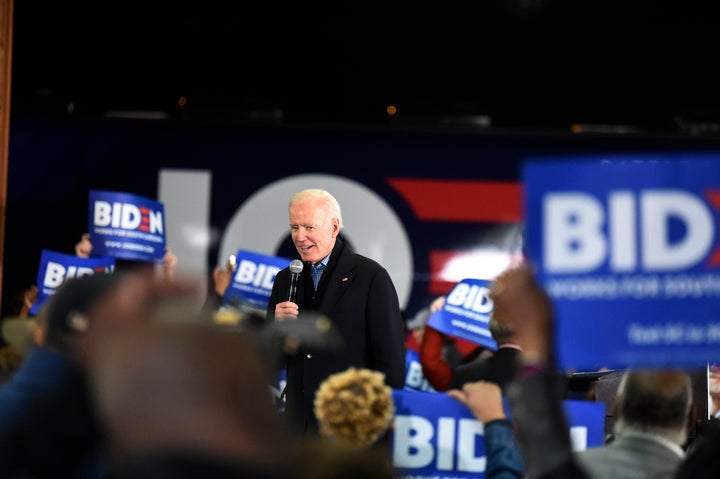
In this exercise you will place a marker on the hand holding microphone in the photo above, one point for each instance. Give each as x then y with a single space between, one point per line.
289 309
296 268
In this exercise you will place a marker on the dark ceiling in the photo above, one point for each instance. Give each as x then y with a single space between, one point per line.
518 63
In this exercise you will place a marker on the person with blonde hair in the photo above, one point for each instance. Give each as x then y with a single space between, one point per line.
354 407
355 411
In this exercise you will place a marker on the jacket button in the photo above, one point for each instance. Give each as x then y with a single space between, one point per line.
308 356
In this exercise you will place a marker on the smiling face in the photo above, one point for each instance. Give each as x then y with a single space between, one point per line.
313 228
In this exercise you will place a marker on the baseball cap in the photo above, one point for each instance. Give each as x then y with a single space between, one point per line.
66 311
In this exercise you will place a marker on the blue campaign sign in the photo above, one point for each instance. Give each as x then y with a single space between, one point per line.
253 279
466 313
55 268
415 380
586 420
627 248
435 435
127 226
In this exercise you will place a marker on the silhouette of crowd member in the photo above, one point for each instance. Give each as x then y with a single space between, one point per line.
47 425
355 292
221 279
10 360
652 409
17 322
536 393
504 457
23 301
702 460
18 333
441 353
499 368
178 396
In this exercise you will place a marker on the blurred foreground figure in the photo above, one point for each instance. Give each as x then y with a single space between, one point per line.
179 397
48 428
355 411
535 394
354 407
504 457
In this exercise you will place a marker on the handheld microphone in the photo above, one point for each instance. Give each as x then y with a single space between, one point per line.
296 267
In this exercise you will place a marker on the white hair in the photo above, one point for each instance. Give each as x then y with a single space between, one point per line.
328 202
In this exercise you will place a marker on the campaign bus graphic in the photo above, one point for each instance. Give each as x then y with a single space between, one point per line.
253 279
56 268
466 313
435 435
627 247
127 226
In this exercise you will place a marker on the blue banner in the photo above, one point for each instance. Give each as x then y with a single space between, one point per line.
253 279
435 435
466 313
56 268
628 250
127 226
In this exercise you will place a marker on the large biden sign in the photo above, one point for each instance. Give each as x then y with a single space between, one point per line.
627 247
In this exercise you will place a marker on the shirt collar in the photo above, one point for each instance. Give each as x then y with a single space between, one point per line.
324 262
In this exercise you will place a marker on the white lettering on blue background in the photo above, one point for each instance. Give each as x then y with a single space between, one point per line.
575 241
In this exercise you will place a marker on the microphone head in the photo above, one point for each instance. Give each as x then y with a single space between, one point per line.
296 266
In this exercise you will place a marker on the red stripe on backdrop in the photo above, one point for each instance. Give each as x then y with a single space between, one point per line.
713 197
462 200
714 258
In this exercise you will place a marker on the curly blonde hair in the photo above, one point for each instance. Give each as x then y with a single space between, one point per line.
354 407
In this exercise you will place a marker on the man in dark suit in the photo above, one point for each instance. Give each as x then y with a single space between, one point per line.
499 368
653 411
354 292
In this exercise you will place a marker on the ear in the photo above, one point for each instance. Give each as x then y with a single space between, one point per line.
335 227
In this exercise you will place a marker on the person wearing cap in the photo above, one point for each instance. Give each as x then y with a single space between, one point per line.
47 428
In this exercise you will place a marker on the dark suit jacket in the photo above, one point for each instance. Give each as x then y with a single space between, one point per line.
499 368
359 297
631 457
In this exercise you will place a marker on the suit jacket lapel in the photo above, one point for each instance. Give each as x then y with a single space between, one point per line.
342 276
